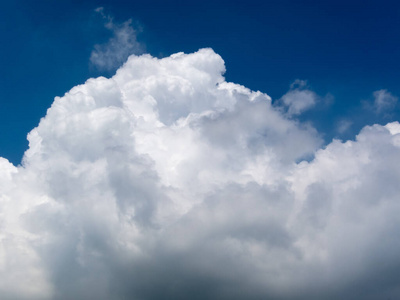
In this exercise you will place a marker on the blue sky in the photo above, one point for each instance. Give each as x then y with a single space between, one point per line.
347 49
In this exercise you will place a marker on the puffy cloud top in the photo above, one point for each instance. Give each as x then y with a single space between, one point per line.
166 181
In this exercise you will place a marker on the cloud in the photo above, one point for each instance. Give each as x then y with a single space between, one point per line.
343 125
123 43
166 181
299 98
384 101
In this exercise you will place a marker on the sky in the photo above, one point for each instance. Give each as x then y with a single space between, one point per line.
202 150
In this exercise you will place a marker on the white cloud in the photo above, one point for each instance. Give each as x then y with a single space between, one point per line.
299 98
384 101
166 181
123 43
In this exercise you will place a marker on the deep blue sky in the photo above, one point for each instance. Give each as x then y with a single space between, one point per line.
346 48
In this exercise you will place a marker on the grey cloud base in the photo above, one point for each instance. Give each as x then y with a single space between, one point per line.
167 182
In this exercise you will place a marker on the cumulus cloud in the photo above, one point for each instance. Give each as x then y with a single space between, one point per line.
384 101
167 182
111 55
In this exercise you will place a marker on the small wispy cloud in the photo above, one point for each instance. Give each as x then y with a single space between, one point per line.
116 50
343 126
384 101
299 98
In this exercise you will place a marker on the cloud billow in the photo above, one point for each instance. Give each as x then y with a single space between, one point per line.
167 182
